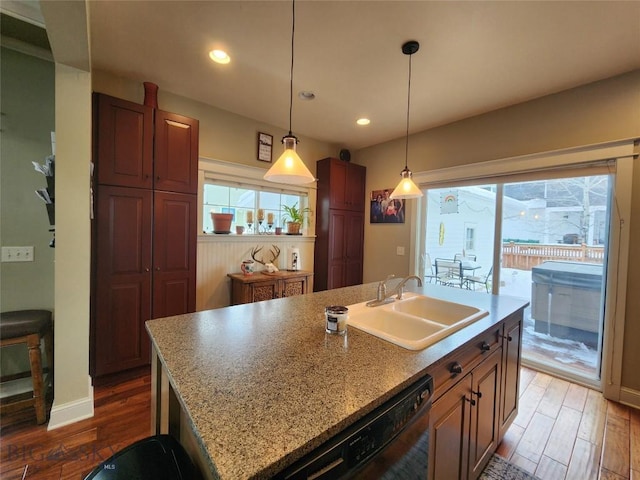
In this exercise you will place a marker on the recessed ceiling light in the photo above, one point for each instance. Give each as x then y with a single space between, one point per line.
306 95
219 56
363 121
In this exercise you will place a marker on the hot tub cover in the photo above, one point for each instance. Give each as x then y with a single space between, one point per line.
571 274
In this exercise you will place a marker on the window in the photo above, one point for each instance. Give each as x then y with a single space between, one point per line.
245 202
469 237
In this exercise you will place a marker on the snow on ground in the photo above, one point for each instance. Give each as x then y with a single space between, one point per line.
538 346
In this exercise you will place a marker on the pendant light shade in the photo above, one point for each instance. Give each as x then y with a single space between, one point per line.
290 168
406 188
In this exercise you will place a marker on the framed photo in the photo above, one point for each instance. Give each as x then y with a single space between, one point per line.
265 146
384 209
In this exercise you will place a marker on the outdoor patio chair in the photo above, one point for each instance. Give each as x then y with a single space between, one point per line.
475 281
429 274
449 273
459 256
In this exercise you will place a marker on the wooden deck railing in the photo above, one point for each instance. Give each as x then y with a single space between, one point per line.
524 256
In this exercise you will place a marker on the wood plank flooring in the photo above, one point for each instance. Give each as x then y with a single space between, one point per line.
121 416
563 431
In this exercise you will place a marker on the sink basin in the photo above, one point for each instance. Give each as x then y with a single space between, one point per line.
439 311
415 322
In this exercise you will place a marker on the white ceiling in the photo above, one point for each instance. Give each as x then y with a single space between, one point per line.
474 57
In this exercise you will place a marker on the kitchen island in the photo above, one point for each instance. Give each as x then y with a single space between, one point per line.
250 389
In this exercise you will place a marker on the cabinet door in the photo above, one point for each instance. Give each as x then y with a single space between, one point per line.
293 286
266 290
353 241
338 227
123 279
174 254
511 351
484 437
338 184
449 433
347 185
176 153
123 143
356 180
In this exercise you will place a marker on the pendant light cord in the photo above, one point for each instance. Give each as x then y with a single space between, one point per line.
406 147
293 32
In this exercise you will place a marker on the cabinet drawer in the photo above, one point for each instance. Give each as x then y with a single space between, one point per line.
455 366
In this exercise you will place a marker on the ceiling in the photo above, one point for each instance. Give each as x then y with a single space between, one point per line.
474 57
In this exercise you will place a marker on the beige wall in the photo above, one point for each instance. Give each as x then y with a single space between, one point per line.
600 112
223 135
27 123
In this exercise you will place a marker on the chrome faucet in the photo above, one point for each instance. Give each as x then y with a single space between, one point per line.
382 297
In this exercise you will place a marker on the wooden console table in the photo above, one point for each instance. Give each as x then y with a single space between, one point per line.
267 286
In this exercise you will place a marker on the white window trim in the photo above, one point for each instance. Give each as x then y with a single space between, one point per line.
623 152
245 175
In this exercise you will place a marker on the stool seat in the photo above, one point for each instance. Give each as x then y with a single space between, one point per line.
28 327
24 322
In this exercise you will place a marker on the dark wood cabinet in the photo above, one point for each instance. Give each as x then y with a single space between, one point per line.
122 286
176 146
450 418
264 286
464 423
346 182
511 353
338 255
485 404
124 142
174 253
475 401
144 232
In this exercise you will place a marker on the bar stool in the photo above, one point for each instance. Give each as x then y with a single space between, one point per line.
29 326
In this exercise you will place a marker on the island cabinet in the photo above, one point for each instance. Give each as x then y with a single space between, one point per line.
475 400
265 286
511 353
338 254
144 228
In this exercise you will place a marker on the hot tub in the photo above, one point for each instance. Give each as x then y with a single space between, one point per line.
566 300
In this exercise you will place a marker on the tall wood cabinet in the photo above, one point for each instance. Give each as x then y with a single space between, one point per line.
338 255
144 230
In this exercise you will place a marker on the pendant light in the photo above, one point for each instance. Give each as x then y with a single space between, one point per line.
406 188
290 168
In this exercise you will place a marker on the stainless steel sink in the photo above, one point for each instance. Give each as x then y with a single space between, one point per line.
415 322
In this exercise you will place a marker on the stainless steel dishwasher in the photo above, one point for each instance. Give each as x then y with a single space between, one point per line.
392 442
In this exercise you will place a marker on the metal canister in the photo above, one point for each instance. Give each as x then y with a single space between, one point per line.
336 319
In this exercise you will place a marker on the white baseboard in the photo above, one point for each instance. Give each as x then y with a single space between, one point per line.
71 412
630 397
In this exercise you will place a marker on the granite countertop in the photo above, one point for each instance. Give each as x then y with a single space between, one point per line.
263 384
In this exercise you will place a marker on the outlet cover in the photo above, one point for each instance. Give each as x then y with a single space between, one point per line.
17 254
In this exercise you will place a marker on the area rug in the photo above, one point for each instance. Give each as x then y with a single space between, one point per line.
499 469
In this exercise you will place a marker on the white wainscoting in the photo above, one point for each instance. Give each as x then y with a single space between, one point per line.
219 255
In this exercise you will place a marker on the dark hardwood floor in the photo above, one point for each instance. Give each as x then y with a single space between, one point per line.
563 431
121 416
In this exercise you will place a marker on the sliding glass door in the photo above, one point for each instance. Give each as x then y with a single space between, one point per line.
551 249
553 253
460 226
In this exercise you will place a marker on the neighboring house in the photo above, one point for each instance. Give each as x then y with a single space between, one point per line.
462 220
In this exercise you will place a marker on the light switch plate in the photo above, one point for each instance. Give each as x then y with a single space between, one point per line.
400 251
17 254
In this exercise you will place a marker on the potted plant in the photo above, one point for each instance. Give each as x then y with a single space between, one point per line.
296 217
